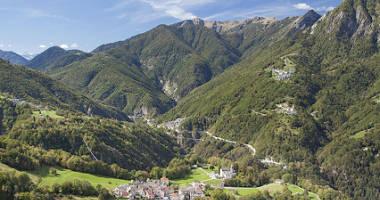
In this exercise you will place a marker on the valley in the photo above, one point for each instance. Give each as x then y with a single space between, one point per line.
257 108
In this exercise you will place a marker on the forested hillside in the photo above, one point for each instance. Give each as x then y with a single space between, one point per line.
27 85
295 101
83 138
56 57
311 97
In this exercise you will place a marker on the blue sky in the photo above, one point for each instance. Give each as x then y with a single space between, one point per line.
31 26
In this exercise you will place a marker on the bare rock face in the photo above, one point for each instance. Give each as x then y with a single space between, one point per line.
351 20
226 26
198 21
364 23
143 111
170 89
307 20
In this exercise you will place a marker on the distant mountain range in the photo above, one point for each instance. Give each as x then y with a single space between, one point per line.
13 57
38 88
55 57
302 90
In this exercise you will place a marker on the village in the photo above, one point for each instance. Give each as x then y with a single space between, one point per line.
162 189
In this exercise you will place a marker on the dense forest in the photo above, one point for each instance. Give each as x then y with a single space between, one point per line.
301 93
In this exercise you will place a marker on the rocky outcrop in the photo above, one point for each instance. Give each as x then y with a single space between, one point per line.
307 20
228 26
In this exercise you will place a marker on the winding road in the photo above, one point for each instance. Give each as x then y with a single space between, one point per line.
250 147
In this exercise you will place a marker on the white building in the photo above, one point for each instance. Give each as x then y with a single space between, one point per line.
227 173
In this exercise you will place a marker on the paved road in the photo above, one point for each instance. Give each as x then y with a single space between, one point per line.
250 147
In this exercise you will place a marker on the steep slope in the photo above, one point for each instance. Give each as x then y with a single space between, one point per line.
13 58
179 57
33 137
56 57
39 89
311 96
120 84
350 30
128 145
171 59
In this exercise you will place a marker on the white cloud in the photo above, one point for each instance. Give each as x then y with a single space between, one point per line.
330 8
64 46
171 8
6 46
42 46
266 11
325 9
174 8
303 6
74 45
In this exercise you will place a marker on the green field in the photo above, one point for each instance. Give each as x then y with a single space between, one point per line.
44 178
197 175
272 189
63 175
47 113
213 182
6 168
298 190
361 134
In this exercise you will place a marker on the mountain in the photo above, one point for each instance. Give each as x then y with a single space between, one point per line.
177 58
130 146
56 57
120 84
296 99
38 89
171 59
309 95
13 58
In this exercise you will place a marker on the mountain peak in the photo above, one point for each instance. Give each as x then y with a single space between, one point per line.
13 57
225 26
307 20
54 57
311 12
55 48
198 21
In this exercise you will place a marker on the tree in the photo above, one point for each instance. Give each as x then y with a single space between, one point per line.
156 173
53 172
105 195
219 194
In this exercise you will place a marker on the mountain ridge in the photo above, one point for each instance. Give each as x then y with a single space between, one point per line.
55 57
13 57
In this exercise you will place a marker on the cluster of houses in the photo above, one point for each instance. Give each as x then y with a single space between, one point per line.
159 189
173 125
282 75
285 108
